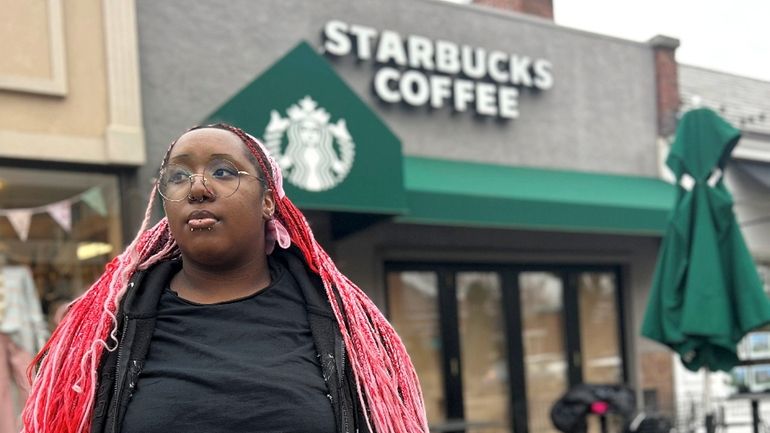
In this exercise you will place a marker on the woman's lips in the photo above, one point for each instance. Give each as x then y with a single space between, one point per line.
201 219
201 223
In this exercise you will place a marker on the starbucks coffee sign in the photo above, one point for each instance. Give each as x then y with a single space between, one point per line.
422 72
310 160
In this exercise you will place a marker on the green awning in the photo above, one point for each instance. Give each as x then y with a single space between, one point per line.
484 195
336 153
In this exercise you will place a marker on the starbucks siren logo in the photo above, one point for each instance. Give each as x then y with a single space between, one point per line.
310 160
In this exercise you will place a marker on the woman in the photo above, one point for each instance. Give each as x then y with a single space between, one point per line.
226 316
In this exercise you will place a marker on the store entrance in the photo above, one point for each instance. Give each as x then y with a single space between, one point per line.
496 346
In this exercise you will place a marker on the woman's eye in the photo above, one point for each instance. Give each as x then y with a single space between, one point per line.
178 177
224 172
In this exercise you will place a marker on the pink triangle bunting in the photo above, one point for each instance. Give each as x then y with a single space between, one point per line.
20 219
61 212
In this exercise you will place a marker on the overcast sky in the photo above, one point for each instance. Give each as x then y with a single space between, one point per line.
726 35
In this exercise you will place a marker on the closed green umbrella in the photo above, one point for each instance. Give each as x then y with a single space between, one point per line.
706 292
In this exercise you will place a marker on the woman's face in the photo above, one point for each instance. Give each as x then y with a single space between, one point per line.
211 229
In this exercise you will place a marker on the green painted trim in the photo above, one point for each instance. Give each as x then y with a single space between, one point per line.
485 195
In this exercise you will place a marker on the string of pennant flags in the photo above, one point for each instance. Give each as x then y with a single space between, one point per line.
60 211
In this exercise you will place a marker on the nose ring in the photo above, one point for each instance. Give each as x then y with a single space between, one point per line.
201 199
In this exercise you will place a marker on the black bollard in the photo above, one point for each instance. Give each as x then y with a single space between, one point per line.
711 426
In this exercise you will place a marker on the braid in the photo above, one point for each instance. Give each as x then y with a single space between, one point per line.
63 392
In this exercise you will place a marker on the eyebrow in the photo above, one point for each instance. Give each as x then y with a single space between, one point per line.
186 156
182 156
222 155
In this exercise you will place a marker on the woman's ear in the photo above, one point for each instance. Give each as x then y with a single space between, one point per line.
268 205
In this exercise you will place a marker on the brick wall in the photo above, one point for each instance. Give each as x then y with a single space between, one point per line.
658 376
541 8
666 83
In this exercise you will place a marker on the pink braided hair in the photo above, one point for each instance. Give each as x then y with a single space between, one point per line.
63 391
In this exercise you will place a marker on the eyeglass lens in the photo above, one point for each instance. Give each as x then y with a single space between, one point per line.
219 176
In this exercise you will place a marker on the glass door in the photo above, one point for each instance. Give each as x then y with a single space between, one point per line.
413 299
496 346
543 333
571 331
483 352
600 342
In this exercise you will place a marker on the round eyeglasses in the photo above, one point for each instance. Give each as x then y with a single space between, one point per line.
220 177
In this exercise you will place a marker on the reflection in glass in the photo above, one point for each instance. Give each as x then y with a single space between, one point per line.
545 367
483 345
600 346
602 362
413 301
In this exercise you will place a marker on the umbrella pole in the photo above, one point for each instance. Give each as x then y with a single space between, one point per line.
710 421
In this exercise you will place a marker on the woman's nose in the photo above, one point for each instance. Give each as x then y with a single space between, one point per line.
199 189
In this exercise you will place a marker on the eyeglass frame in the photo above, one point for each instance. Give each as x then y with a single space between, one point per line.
191 178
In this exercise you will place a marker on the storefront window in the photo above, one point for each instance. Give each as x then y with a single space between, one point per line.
484 360
545 363
414 312
602 362
59 228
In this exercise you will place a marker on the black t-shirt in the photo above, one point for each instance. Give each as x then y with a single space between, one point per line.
247 365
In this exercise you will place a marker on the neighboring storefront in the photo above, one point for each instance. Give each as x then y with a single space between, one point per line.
70 132
489 178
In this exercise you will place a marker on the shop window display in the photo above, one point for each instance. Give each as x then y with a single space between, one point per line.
57 231
62 226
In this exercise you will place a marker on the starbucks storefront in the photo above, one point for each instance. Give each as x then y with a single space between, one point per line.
491 185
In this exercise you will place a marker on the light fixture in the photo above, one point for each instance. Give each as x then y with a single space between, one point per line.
89 250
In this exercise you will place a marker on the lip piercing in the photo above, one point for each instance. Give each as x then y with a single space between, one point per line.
192 229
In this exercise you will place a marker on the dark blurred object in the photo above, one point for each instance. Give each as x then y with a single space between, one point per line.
569 413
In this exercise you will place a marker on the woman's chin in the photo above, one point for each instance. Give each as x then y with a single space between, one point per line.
207 256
